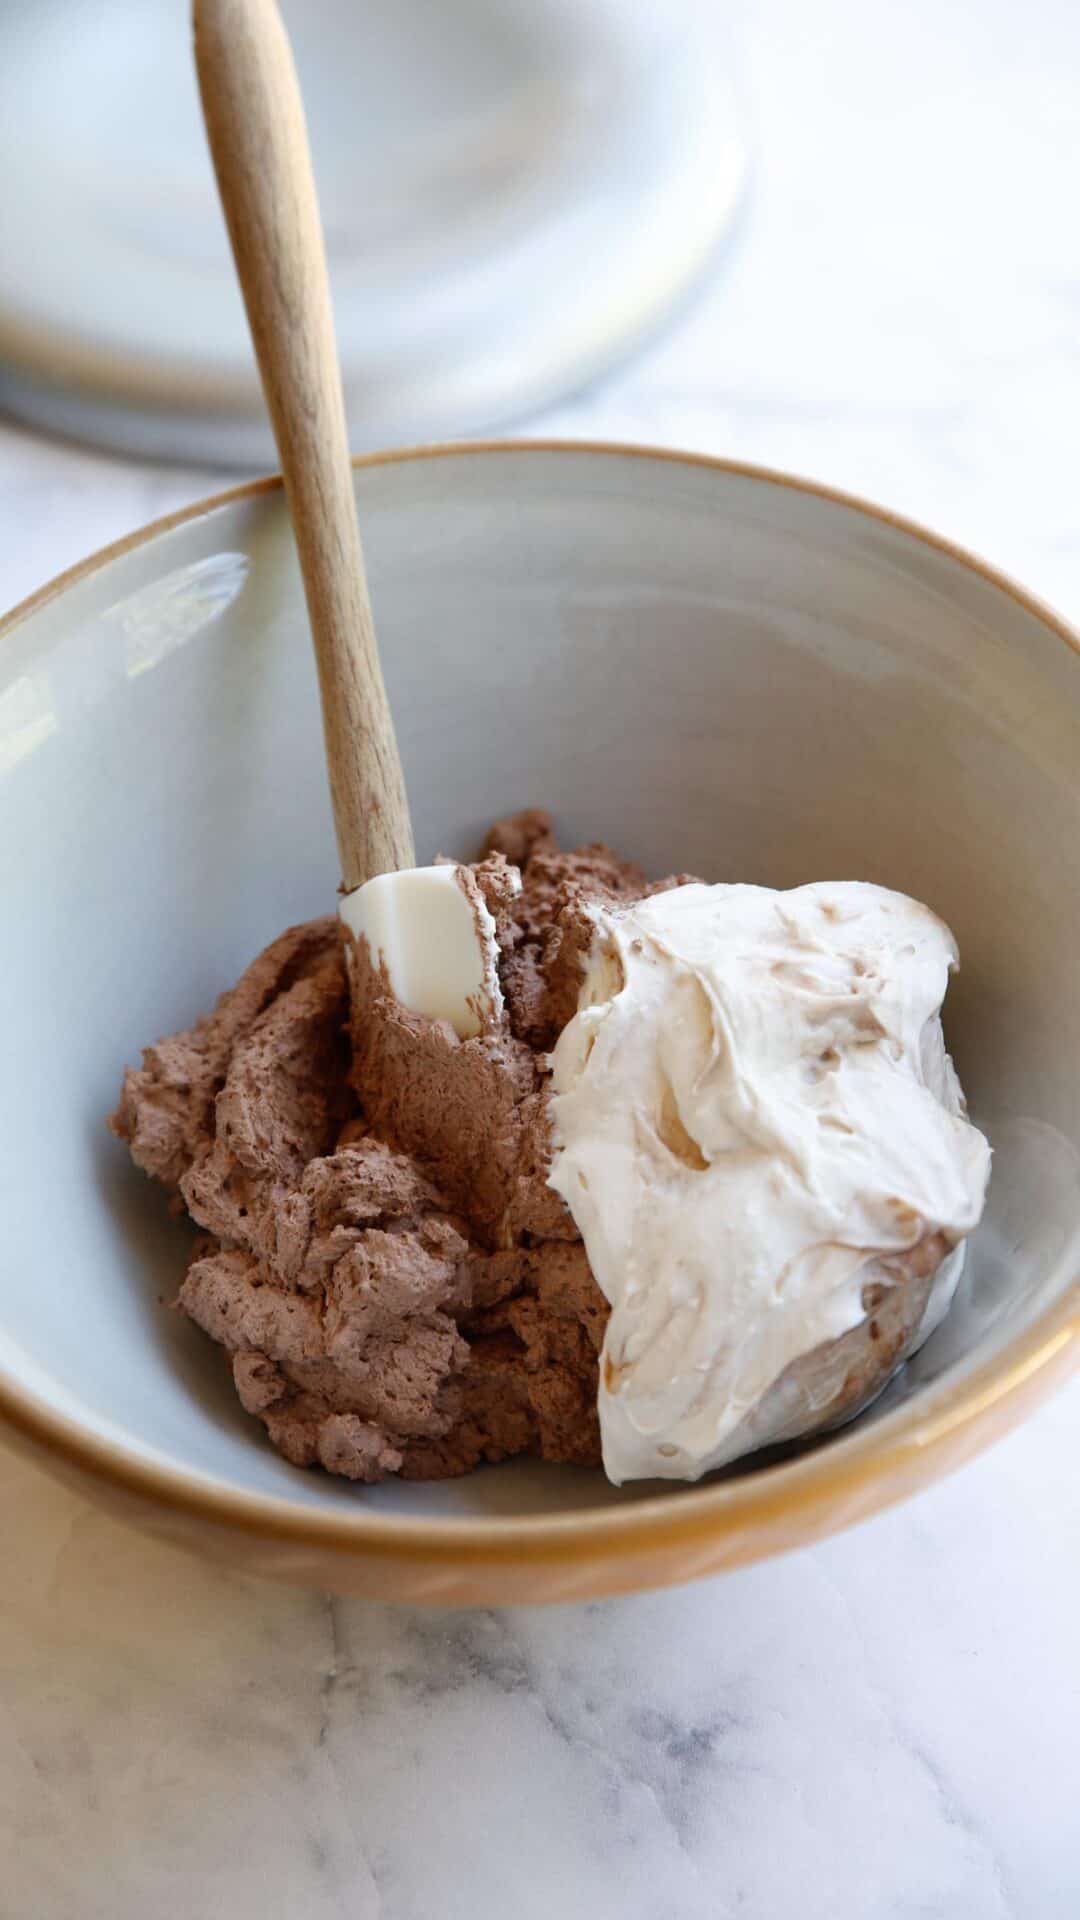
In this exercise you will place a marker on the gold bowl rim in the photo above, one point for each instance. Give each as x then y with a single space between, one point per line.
921 1434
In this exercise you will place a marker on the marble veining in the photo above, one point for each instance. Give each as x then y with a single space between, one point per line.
887 1726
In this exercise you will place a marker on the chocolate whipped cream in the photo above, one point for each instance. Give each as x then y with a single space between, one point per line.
398 1288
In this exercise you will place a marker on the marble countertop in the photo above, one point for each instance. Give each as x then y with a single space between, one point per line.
887 1725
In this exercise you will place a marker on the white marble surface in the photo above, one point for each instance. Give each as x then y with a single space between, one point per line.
888 1725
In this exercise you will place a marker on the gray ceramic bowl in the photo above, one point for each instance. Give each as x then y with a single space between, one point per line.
714 668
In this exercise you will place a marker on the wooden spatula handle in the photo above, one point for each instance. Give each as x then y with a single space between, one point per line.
258 139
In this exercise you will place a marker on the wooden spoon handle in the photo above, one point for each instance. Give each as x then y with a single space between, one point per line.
258 139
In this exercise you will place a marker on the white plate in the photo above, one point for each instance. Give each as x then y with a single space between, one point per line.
514 192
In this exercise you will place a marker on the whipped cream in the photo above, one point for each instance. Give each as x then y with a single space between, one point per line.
752 1105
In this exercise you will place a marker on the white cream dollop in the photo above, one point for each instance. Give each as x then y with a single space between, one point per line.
752 1103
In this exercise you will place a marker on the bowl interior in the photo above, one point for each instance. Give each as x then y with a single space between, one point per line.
712 670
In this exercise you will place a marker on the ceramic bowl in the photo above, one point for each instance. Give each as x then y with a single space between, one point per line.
715 668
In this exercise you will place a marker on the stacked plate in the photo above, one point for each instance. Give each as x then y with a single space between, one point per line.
514 192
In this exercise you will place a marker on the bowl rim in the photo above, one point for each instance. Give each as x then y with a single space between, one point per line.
984 1400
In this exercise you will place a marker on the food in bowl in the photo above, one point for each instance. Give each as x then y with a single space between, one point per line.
699 1183
711 668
